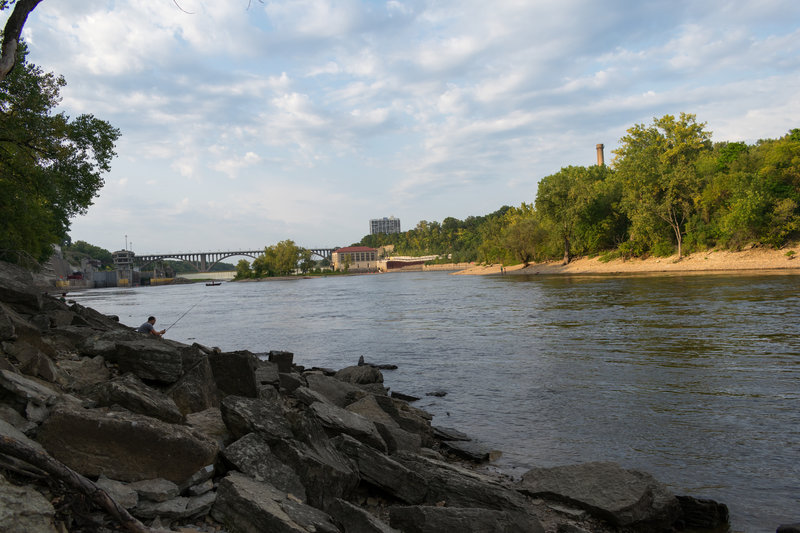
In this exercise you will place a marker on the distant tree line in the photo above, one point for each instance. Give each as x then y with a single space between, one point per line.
670 190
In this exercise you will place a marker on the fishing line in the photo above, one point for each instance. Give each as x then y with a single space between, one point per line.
184 314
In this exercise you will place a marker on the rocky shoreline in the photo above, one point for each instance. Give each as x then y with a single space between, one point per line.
106 429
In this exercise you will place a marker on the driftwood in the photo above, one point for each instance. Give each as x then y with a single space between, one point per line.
42 461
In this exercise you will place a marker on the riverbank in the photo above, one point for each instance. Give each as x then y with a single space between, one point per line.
752 259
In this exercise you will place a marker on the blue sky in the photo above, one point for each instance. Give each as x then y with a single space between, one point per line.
245 123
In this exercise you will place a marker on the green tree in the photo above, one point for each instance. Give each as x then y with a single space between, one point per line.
50 166
656 165
243 269
306 262
573 202
523 235
287 256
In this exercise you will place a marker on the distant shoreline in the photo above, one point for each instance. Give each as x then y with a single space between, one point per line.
754 259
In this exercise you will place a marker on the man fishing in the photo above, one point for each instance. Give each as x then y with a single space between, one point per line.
148 327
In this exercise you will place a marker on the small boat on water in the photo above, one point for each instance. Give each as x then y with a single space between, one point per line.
213 283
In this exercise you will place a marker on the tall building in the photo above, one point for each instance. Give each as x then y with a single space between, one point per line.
384 225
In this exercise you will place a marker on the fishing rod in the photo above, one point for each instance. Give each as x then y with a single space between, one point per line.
184 314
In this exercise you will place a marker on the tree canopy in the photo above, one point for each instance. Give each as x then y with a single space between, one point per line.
656 166
51 166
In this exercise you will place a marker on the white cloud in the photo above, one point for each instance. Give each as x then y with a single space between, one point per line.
301 116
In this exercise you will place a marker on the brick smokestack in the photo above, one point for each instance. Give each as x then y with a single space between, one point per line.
600 159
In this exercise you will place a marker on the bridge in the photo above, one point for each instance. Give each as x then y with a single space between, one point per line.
204 261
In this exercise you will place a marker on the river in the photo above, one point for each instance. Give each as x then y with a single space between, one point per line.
693 378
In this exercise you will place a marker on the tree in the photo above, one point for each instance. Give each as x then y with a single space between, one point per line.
523 235
287 255
50 166
567 202
243 269
306 262
657 167
12 32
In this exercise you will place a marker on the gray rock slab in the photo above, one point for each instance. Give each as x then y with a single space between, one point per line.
25 389
428 519
460 487
124 446
703 514
146 356
325 472
235 372
24 510
252 456
443 433
85 371
121 492
210 424
340 420
336 391
155 490
244 415
245 504
383 472
196 390
267 374
471 451
607 491
131 393
360 375
354 519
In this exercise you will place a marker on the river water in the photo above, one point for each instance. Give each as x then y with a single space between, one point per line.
693 378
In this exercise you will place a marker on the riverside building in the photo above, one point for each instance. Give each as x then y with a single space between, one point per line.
355 259
384 225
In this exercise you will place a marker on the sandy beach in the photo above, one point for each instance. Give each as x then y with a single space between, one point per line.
755 258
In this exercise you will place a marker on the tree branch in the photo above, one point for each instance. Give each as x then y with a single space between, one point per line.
40 459
11 33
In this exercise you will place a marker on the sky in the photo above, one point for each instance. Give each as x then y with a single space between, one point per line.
245 123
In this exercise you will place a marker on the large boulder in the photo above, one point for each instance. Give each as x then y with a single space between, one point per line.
247 505
460 487
130 392
145 355
252 456
606 490
83 372
396 438
33 361
235 372
124 446
24 394
196 390
340 421
325 472
360 375
425 519
381 471
246 415
338 392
